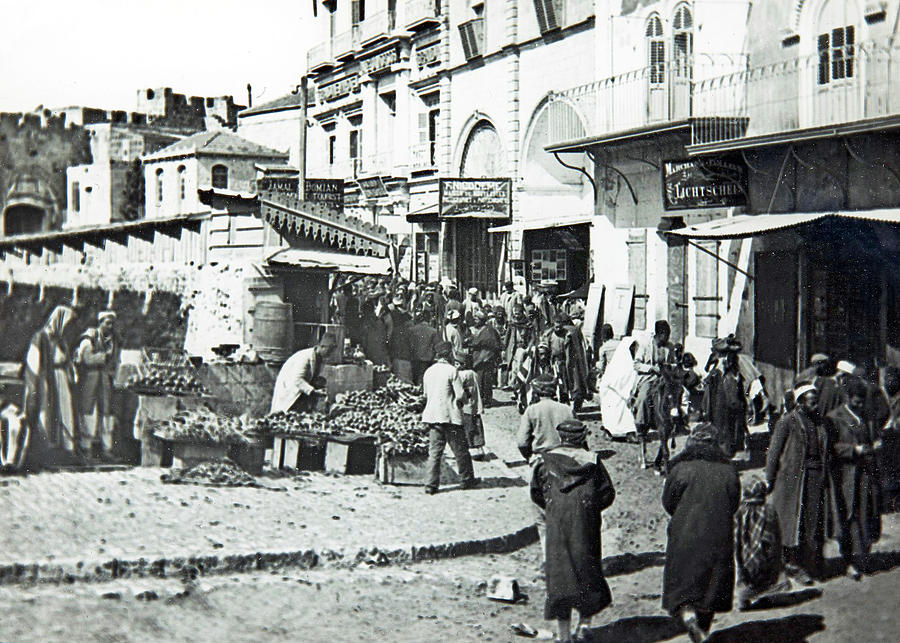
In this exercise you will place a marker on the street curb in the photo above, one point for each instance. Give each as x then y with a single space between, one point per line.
98 571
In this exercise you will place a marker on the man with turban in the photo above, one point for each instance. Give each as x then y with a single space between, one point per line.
96 362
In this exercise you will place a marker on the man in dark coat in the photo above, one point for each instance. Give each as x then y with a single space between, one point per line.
485 347
701 493
569 361
574 487
796 472
423 338
724 401
890 452
856 479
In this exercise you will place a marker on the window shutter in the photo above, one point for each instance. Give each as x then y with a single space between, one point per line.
549 13
824 59
850 41
355 12
637 273
471 32
423 127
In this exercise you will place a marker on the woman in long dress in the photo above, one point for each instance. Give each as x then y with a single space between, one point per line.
49 397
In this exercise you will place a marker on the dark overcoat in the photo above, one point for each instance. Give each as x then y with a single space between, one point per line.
856 479
786 473
702 493
574 487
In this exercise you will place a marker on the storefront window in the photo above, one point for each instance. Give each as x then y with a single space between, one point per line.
548 264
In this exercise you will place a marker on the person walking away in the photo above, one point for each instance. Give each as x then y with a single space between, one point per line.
518 344
796 474
573 487
701 494
724 399
647 360
757 546
856 479
398 342
497 319
299 382
423 338
484 345
537 430
444 398
96 362
49 397
472 408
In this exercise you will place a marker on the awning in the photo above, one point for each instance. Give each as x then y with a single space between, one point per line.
751 225
543 223
333 261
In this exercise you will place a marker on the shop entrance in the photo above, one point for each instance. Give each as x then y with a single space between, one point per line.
477 255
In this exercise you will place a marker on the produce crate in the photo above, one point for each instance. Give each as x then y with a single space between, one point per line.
392 468
305 453
248 457
351 454
188 454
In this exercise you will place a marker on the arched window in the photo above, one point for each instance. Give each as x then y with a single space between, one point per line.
656 50
220 177
159 185
182 191
682 42
553 122
483 154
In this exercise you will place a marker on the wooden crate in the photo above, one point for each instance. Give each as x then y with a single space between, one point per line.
305 453
155 452
188 454
391 468
351 454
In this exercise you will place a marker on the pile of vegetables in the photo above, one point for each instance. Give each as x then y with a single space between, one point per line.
202 427
218 473
158 379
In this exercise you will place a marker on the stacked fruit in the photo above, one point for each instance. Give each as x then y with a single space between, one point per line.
158 379
288 423
218 473
202 427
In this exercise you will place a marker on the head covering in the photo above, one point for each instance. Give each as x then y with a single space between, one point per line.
443 349
846 366
398 299
756 490
453 315
802 390
572 432
479 315
543 346
61 317
818 358
544 385
723 345
106 314
703 434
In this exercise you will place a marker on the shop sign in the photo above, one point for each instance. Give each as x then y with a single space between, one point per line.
704 183
279 185
372 187
477 198
328 192
379 61
340 88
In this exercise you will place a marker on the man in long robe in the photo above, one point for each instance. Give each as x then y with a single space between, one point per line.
485 347
573 487
724 399
569 362
96 361
647 361
299 380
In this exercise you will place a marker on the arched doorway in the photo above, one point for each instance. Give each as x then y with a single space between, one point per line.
30 205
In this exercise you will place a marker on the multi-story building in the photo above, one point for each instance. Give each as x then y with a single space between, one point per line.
412 96
780 128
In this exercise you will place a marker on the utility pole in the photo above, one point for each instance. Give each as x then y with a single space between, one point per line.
301 178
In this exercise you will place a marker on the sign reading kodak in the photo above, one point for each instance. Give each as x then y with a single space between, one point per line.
704 183
477 198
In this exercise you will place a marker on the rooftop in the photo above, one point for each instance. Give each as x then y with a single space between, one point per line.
215 143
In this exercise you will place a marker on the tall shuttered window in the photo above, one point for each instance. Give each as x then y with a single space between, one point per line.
656 51
637 274
706 290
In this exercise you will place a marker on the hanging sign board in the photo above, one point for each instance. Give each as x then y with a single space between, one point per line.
704 183
278 184
476 198
372 187
328 192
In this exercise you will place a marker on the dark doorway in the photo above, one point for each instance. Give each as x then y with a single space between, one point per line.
776 309
23 219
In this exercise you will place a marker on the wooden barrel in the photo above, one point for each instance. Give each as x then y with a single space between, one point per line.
273 330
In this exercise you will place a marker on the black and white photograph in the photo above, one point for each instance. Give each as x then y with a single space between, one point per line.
457 321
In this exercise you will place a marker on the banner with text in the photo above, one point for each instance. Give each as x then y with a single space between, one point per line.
476 198
704 183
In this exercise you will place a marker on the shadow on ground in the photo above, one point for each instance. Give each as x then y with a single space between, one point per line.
630 563
636 629
501 483
791 629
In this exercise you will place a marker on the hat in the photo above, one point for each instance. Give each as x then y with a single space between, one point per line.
479 315
106 314
546 283
453 315
846 366
802 390
472 291
572 431
704 433
398 299
544 385
818 358
728 344
543 346
443 349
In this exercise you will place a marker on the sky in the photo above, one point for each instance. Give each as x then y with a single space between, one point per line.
98 53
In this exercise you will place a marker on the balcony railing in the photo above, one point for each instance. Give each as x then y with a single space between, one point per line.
856 82
345 44
319 57
376 27
421 14
655 94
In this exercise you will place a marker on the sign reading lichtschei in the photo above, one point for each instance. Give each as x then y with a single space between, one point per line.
704 183
479 198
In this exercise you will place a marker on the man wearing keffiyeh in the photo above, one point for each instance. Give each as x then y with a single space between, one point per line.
757 544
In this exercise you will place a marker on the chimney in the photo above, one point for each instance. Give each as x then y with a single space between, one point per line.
249 96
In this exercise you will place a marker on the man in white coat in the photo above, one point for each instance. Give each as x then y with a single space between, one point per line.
299 379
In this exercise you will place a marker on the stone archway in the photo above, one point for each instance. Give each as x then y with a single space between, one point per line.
483 154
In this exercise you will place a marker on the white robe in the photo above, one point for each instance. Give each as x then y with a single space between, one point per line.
615 390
